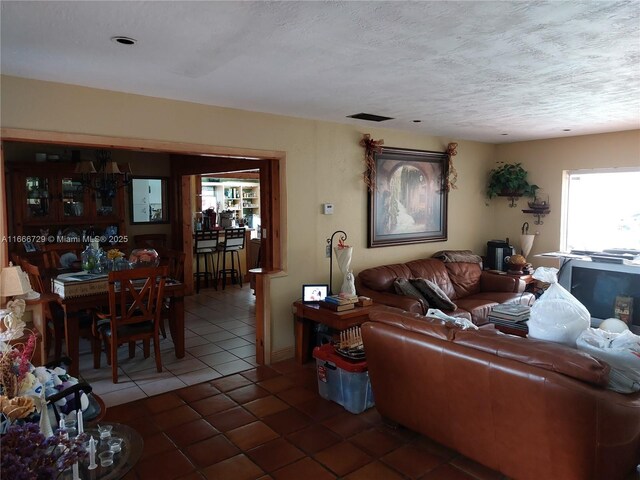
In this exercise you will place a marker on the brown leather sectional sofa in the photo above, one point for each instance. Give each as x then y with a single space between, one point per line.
473 290
530 409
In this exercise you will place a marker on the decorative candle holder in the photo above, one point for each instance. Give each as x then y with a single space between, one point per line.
106 458
105 431
115 444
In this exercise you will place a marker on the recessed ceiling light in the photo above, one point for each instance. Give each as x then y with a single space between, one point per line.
124 40
417 121
566 130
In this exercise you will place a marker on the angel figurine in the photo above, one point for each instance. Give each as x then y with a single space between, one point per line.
12 325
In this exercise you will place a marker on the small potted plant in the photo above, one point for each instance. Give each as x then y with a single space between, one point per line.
509 180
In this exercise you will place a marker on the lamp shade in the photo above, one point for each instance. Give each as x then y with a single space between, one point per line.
85 166
526 242
112 167
13 281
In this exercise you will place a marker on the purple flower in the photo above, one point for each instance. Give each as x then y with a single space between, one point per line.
27 455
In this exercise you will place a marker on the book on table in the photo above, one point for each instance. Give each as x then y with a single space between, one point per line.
520 325
513 309
505 321
337 308
513 318
341 299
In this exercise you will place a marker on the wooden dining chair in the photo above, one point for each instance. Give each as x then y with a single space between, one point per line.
54 319
135 306
53 252
150 240
174 261
54 314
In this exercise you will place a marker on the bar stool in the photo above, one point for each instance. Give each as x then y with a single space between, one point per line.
233 243
206 243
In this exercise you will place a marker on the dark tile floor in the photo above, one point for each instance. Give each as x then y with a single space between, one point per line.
270 422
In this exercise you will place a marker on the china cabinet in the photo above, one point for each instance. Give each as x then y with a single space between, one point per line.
50 197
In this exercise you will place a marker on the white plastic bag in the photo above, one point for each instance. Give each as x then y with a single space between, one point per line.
620 350
557 316
459 321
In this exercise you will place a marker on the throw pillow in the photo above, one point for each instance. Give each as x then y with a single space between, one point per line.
434 294
404 287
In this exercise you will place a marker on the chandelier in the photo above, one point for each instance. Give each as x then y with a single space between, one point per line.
107 178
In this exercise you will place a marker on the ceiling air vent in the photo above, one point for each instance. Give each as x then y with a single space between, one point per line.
369 117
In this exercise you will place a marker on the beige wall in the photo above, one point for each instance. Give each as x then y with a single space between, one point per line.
546 160
324 164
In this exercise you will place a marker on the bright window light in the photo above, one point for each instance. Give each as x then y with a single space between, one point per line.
601 209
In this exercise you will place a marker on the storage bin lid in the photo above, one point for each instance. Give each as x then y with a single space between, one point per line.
327 353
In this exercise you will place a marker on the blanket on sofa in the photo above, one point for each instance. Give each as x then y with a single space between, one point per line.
450 256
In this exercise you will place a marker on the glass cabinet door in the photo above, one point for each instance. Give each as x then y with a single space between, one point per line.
74 198
38 206
107 203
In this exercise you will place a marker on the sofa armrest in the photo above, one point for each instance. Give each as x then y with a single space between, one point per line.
408 304
493 282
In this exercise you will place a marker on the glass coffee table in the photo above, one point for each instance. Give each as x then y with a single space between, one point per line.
123 461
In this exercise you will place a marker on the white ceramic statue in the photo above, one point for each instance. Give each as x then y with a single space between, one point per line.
343 256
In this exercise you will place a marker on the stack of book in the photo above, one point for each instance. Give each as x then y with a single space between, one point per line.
340 302
511 315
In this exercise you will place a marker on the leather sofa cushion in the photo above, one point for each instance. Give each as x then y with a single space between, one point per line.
434 270
381 278
465 278
413 322
539 353
434 295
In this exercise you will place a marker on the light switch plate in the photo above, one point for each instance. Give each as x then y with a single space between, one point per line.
327 208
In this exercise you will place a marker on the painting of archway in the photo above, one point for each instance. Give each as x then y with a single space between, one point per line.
408 203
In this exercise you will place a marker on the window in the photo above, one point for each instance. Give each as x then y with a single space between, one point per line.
601 209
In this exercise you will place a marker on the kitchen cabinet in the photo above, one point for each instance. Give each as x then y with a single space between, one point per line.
241 199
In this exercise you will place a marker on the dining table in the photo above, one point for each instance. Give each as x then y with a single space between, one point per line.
173 290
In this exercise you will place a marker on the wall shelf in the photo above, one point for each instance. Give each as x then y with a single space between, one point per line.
513 198
538 213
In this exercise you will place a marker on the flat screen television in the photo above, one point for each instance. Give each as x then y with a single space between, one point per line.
597 285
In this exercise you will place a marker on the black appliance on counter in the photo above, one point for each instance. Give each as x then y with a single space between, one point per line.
497 251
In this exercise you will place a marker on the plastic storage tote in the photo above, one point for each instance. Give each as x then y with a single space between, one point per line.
343 381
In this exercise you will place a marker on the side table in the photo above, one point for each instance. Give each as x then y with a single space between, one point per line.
305 314
527 278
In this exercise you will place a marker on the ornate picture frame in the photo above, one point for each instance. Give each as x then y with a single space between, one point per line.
408 201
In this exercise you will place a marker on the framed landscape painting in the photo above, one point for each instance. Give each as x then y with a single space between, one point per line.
408 203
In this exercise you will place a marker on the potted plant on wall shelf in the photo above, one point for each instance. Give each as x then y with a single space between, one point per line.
509 180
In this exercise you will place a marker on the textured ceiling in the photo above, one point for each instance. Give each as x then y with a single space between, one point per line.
467 70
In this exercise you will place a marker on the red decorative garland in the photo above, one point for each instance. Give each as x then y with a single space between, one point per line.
371 146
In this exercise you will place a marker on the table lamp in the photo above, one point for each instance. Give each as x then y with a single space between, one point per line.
13 282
